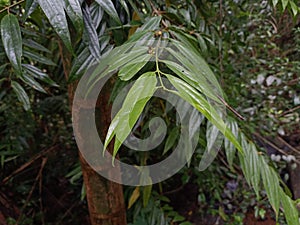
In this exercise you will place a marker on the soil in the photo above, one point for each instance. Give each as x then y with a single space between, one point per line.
251 220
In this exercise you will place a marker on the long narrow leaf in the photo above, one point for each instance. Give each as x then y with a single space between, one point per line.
133 105
12 40
109 8
32 82
290 212
190 95
73 9
38 58
92 36
55 12
21 94
37 73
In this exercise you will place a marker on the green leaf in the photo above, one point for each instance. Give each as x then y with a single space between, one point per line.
38 58
146 194
294 8
133 105
275 2
29 8
171 139
21 94
12 40
199 102
202 44
229 147
132 68
125 7
92 36
80 64
55 12
251 163
134 196
151 24
109 8
73 9
117 58
2 68
290 212
32 82
37 73
214 141
271 185
34 45
178 218
284 4
199 65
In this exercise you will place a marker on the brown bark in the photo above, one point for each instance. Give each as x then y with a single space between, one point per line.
105 198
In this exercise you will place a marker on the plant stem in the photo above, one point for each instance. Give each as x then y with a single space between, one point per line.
10 6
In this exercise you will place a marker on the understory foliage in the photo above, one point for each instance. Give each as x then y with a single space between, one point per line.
224 55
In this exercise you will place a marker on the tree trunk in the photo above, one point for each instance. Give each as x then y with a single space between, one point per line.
105 198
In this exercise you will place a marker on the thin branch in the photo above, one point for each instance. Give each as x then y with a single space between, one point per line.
24 166
289 146
10 6
38 177
274 146
290 110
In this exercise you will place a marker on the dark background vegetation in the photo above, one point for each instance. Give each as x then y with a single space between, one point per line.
253 48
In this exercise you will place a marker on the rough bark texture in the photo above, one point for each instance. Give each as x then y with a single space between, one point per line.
105 198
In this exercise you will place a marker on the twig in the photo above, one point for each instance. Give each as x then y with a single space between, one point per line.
290 110
287 144
155 11
231 109
38 177
24 166
10 6
274 146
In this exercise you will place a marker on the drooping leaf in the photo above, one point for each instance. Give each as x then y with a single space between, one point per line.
38 58
21 94
171 139
97 13
190 95
132 68
146 194
284 4
29 8
73 9
55 12
151 24
200 67
294 7
134 196
275 2
37 73
290 212
194 70
125 7
116 59
92 36
251 164
80 64
109 8
2 68
12 40
214 141
34 45
133 105
271 185
229 147
26 78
